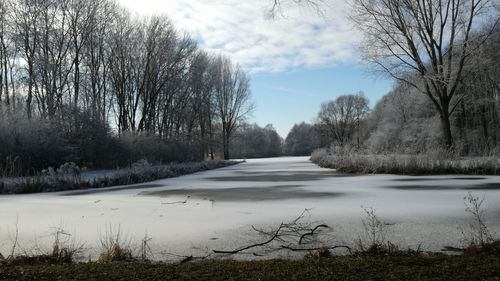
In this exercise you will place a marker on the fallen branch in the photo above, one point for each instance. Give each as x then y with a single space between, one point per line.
452 249
189 258
315 249
311 233
289 236
251 246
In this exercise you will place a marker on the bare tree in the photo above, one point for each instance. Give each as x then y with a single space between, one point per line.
82 24
429 37
27 37
124 45
342 117
4 55
232 98
202 84
95 61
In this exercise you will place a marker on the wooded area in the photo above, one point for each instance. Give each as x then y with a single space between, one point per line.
86 81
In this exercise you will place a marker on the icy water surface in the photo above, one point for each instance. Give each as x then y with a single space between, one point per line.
216 209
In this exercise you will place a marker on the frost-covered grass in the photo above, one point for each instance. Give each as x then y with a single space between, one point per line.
69 176
431 163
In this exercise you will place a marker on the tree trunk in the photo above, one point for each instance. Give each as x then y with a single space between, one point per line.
484 123
446 127
225 144
77 80
30 90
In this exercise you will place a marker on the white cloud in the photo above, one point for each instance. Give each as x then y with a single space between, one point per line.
242 30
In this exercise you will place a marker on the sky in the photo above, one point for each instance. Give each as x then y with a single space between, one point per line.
296 60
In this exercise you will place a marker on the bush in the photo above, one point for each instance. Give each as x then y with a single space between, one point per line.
29 146
94 143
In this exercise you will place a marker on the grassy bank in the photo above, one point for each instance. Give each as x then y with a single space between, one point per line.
371 257
434 267
420 164
69 176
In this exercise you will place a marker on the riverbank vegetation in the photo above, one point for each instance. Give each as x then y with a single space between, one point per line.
71 177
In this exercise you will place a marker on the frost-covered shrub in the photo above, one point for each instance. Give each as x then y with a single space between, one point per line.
438 161
67 173
95 144
319 155
28 146
140 165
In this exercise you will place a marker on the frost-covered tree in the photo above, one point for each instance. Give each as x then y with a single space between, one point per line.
341 119
302 140
430 37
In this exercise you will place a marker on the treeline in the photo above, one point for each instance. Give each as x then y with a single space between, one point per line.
253 141
85 81
406 121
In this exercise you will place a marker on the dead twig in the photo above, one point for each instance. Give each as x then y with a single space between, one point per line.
292 236
15 242
253 245
190 257
311 233
316 248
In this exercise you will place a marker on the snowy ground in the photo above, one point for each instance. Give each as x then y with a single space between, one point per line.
222 205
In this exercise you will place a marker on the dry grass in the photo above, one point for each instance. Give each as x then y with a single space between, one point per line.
65 250
115 254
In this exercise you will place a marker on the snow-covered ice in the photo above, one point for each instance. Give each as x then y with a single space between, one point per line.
221 206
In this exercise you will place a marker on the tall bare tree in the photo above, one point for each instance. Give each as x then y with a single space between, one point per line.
232 98
27 37
429 37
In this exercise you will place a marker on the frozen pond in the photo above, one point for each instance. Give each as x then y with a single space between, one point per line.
216 209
